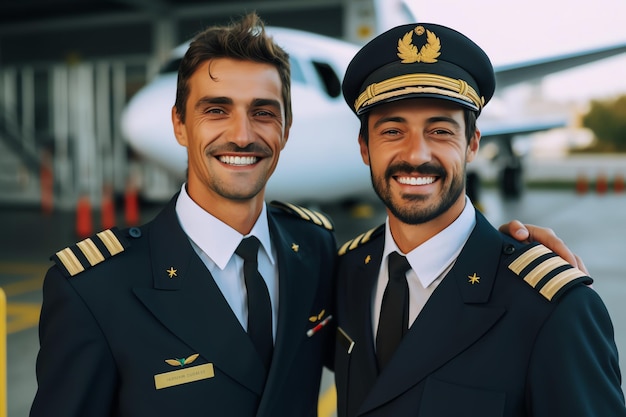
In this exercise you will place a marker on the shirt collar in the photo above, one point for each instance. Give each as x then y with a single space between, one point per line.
432 257
203 228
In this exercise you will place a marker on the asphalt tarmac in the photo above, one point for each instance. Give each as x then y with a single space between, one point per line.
593 225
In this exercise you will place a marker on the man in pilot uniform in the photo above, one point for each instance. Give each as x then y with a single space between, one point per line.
439 314
153 321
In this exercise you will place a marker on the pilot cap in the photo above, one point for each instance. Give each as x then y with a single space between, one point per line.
419 60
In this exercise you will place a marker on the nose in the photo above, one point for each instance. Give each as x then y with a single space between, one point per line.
416 149
240 129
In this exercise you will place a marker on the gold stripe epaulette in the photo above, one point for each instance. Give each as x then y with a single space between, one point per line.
305 213
547 272
90 251
357 241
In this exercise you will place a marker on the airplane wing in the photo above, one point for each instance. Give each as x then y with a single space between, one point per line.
508 75
507 128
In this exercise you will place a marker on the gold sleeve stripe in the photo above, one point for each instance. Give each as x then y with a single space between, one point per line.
344 247
523 261
318 218
111 242
91 252
299 211
327 224
357 241
353 243
544 268
559 281
367 235
70 261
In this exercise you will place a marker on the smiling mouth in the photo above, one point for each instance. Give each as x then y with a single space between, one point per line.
238 160
415 180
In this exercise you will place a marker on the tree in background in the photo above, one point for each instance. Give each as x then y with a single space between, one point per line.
607 120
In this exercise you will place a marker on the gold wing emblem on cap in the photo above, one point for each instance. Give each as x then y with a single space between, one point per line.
428 53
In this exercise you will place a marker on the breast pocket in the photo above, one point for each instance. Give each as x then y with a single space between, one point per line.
444 399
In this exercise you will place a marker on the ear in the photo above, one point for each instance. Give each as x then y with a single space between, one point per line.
179 128
473 146
365 150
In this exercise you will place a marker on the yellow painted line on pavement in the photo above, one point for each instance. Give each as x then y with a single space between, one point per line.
23 286
24 268
22 316
327 405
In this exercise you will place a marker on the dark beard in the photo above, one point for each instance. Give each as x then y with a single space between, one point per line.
414 214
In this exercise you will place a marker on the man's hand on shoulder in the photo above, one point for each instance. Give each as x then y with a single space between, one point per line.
545 236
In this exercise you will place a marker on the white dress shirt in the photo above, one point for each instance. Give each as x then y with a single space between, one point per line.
215 243
430 262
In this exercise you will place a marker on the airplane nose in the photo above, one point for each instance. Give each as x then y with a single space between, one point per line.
148 114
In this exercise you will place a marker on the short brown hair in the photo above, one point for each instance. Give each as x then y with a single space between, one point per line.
245 40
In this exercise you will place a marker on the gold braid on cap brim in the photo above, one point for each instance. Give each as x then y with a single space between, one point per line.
418 83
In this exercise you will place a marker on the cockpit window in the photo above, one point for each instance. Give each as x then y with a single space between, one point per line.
329 78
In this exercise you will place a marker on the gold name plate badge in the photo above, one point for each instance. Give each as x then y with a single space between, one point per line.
184 376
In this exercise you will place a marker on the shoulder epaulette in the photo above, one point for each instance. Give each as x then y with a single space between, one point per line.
359 240
90 251
547 272
305 213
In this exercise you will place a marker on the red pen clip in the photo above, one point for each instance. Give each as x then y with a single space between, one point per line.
319 326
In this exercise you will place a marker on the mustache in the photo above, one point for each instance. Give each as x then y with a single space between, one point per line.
254 147
406 168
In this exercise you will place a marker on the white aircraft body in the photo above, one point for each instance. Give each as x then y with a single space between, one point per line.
321 162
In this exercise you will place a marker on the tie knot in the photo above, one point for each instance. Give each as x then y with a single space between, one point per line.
398 265
248 249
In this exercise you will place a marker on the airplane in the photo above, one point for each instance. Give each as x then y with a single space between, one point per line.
321 162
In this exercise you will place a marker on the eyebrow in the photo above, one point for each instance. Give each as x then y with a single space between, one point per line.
257 102
212 100
434 119
444 119
266 102
389 119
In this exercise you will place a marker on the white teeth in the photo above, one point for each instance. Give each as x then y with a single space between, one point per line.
238 160
416 180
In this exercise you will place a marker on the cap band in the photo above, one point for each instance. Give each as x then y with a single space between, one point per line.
418 83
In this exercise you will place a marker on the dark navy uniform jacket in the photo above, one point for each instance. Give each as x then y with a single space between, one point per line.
527 338
129 337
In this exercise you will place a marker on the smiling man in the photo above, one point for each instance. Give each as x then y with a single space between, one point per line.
209 308
439 314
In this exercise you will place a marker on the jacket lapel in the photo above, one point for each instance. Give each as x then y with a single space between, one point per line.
186 300
361 291
298 284
454 317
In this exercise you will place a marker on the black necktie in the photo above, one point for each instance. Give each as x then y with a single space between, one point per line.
259 304
394 311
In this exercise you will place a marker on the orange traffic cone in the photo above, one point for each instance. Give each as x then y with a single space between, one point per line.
84 226
131 206
46 183
108 209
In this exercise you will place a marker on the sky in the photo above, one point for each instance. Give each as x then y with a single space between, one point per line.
511 31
